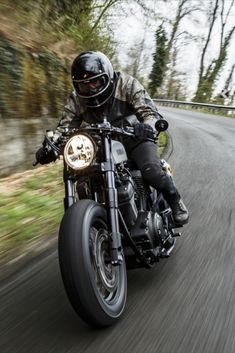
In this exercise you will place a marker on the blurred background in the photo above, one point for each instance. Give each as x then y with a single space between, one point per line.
178 49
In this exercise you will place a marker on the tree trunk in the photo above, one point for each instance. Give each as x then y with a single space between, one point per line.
208 76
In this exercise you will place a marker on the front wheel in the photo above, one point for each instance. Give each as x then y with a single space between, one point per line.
96 289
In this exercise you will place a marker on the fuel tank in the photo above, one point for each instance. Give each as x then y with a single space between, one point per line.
118 152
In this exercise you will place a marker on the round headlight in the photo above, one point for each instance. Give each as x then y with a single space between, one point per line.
79 152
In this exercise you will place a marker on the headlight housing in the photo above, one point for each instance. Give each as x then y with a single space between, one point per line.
79 152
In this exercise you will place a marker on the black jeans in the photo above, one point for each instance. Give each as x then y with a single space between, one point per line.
147 160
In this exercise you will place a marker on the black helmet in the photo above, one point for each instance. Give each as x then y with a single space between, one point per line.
93 78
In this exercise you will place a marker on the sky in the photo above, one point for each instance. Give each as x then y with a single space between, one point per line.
132 28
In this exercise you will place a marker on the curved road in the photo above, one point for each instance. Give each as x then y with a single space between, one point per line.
186 304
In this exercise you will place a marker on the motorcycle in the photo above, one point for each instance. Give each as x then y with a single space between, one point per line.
113 221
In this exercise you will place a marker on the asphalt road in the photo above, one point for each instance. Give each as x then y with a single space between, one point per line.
186 304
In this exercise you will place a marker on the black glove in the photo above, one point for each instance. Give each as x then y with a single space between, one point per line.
45 156
143 131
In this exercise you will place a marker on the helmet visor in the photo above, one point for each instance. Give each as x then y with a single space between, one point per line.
91 87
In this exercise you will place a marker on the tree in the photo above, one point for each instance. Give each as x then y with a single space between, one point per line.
174 86
135 55
185 8
163 72
159 61
226 95
209 74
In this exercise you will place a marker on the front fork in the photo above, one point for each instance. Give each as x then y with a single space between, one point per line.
107 168
69 198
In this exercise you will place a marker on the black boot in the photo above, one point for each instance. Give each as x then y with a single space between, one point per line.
179 211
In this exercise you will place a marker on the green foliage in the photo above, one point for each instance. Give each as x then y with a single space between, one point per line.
208 75
159 61
206 83
31 84
50 21
68 18
34 77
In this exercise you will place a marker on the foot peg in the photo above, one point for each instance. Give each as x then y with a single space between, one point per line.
175 235
164 254
167 212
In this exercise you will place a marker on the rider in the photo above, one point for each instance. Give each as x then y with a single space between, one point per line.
102 92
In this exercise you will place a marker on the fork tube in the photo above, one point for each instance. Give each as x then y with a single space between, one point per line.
69 198
112 202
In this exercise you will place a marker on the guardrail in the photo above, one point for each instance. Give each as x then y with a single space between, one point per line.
194 104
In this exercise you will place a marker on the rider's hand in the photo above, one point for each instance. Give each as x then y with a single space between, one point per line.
45 156
143 131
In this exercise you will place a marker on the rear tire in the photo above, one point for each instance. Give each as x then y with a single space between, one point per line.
96 289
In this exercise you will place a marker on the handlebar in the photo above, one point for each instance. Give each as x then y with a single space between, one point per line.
161 125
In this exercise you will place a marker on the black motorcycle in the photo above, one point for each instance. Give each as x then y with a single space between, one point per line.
113 221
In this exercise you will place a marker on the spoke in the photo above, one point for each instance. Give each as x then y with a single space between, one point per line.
106 276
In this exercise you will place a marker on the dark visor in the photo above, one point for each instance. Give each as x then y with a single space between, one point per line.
90 87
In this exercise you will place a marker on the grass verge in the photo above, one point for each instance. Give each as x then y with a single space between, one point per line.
162 142
31 205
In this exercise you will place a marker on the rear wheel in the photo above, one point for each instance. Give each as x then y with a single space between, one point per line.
96 288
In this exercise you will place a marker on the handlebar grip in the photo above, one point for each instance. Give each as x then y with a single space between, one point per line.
161 125
129 129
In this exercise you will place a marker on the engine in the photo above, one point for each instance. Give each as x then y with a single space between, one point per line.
146 227
126 198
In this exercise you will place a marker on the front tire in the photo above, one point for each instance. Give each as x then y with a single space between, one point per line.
96 289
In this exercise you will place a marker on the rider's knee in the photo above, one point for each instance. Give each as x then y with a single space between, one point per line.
153 174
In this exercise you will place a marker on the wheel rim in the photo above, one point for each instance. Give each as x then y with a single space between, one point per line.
106 275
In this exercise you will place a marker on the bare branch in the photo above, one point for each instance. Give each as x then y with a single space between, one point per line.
223 25
229 10
106 6
229 79
189 11
181 13
214 15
